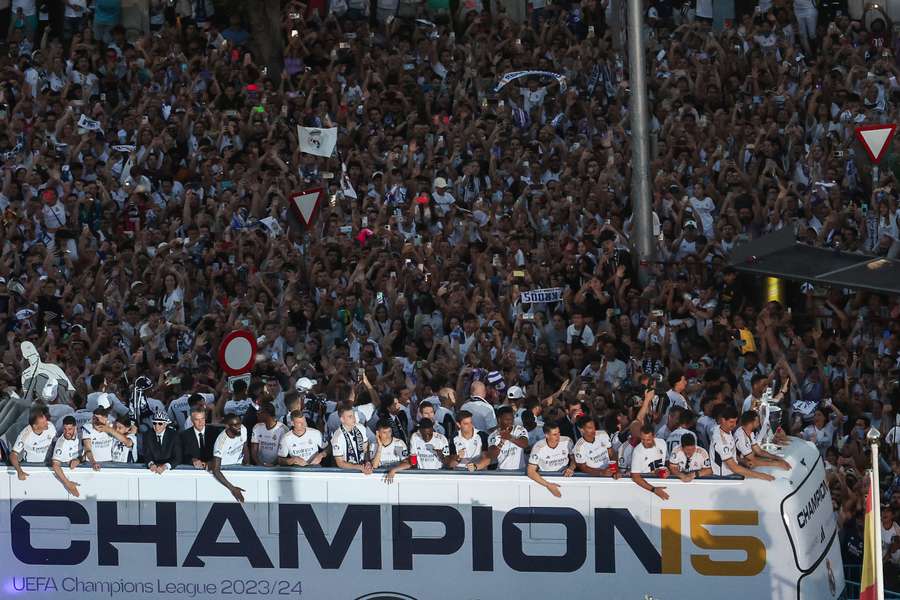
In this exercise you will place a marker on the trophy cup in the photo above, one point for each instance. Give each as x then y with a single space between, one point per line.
770 420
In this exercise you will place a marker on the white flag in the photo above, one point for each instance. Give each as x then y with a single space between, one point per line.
86 124
346 185
320 142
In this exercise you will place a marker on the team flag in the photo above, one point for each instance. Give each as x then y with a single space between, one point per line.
868 588
320 142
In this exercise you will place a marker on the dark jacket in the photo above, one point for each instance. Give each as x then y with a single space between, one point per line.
168 452
190 448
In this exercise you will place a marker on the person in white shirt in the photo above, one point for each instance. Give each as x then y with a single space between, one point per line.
443 199
67 449
758 385
238 404
552 454
675 396
122 450
483 416
230 449
683 427
350 443
649 457
579 331
747 447
98 438
469 447
722 451
428 450
180 408
388 450
265 437
302 446
593 452
689 460
33 444
507 443
821 431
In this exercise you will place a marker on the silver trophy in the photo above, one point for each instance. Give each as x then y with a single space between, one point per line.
770 420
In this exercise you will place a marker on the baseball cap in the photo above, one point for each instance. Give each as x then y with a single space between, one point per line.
440 182
690 224
305 384
515 393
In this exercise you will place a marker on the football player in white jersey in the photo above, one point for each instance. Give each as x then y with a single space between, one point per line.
428 450
552 454
388 450
98 438
649 457
231 443
689 460
593 452
302 445
266 436
122 451
67 450
33 444
749 452
350 443
722 452
469 450
507 443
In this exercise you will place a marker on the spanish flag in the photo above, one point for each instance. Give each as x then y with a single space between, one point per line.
871 552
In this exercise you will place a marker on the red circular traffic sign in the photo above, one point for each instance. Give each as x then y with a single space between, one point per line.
237 352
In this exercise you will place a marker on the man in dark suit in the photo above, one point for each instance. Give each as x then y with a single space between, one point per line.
161 448
197 441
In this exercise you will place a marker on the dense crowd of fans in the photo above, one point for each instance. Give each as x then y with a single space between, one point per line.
148 165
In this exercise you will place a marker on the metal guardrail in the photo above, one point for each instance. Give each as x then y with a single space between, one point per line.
852 578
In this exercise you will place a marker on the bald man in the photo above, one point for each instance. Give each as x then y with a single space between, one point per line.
483 416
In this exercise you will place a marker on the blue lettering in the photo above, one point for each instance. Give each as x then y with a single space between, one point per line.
20 532
576 535
405 545
330 556
163 534
247 544
606 521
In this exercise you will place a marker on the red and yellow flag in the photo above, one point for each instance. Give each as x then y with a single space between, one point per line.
871 553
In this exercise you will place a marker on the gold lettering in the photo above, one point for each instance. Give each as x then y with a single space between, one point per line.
702 538
670 523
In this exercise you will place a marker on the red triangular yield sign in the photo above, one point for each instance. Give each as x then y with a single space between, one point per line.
306 203
875 139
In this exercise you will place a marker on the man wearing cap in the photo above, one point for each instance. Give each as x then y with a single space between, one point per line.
686 243
160 447
442 198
